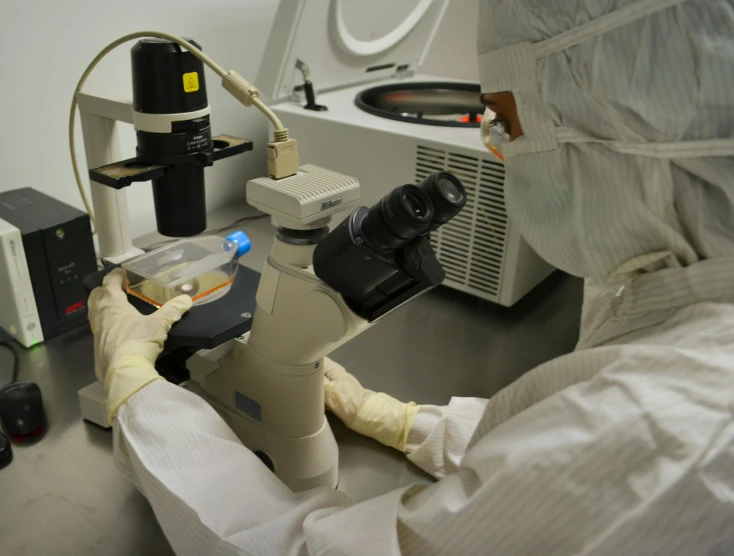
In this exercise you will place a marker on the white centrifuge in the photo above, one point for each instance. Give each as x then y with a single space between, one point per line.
373 117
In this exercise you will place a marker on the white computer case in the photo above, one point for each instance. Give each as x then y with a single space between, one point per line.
18 313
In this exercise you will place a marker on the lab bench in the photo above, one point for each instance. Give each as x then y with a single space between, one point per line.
64 494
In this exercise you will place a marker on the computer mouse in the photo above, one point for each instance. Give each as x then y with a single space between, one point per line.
6 452
21 410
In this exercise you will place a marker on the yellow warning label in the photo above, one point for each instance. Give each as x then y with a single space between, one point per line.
191 82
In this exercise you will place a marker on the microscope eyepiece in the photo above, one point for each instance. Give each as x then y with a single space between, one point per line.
450 191
447 195
378 258
415 203
400 216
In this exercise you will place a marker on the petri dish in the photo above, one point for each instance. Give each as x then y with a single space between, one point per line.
201 267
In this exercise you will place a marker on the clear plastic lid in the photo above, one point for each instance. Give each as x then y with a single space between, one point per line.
201 267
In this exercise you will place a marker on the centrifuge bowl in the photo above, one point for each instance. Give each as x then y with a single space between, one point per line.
429 103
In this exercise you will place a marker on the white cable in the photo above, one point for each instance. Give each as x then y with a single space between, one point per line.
247 94
269 113
138 35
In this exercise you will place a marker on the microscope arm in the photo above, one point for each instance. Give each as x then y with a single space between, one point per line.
299 319
269 385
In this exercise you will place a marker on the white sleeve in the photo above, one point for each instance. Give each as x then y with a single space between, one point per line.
585 470
210 494
635 461
439 436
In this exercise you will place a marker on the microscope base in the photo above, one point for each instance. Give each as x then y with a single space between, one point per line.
93 404
276 411
301 463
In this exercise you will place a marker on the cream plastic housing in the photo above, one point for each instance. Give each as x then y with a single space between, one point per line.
283 159
269 384
306 200
274 410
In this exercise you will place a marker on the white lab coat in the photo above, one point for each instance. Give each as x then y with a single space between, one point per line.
625 446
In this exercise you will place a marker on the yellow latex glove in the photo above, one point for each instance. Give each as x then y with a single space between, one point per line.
126 343
369 413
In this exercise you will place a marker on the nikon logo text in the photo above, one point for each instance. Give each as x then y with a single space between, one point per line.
326 205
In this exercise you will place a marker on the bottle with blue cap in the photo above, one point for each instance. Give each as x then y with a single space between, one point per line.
202 267
242 241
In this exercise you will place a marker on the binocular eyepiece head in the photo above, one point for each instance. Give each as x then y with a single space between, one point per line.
413 210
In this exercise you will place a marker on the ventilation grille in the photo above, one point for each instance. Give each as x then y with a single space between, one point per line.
311 183
471 247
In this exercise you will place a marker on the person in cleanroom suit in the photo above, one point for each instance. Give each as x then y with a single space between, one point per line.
615 119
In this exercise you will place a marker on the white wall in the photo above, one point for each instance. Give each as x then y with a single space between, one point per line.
46 45
454 50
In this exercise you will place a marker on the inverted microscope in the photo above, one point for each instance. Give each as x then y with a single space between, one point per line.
318 290
256 350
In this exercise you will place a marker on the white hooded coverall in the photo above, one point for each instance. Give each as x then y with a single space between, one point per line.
625 446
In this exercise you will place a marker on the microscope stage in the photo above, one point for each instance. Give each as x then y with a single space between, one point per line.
211 324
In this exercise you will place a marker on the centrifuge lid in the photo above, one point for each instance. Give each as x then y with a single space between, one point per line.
346 42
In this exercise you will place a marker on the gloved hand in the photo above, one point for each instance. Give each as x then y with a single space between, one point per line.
369 413
126 343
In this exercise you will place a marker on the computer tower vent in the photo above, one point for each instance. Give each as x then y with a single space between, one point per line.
471 247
